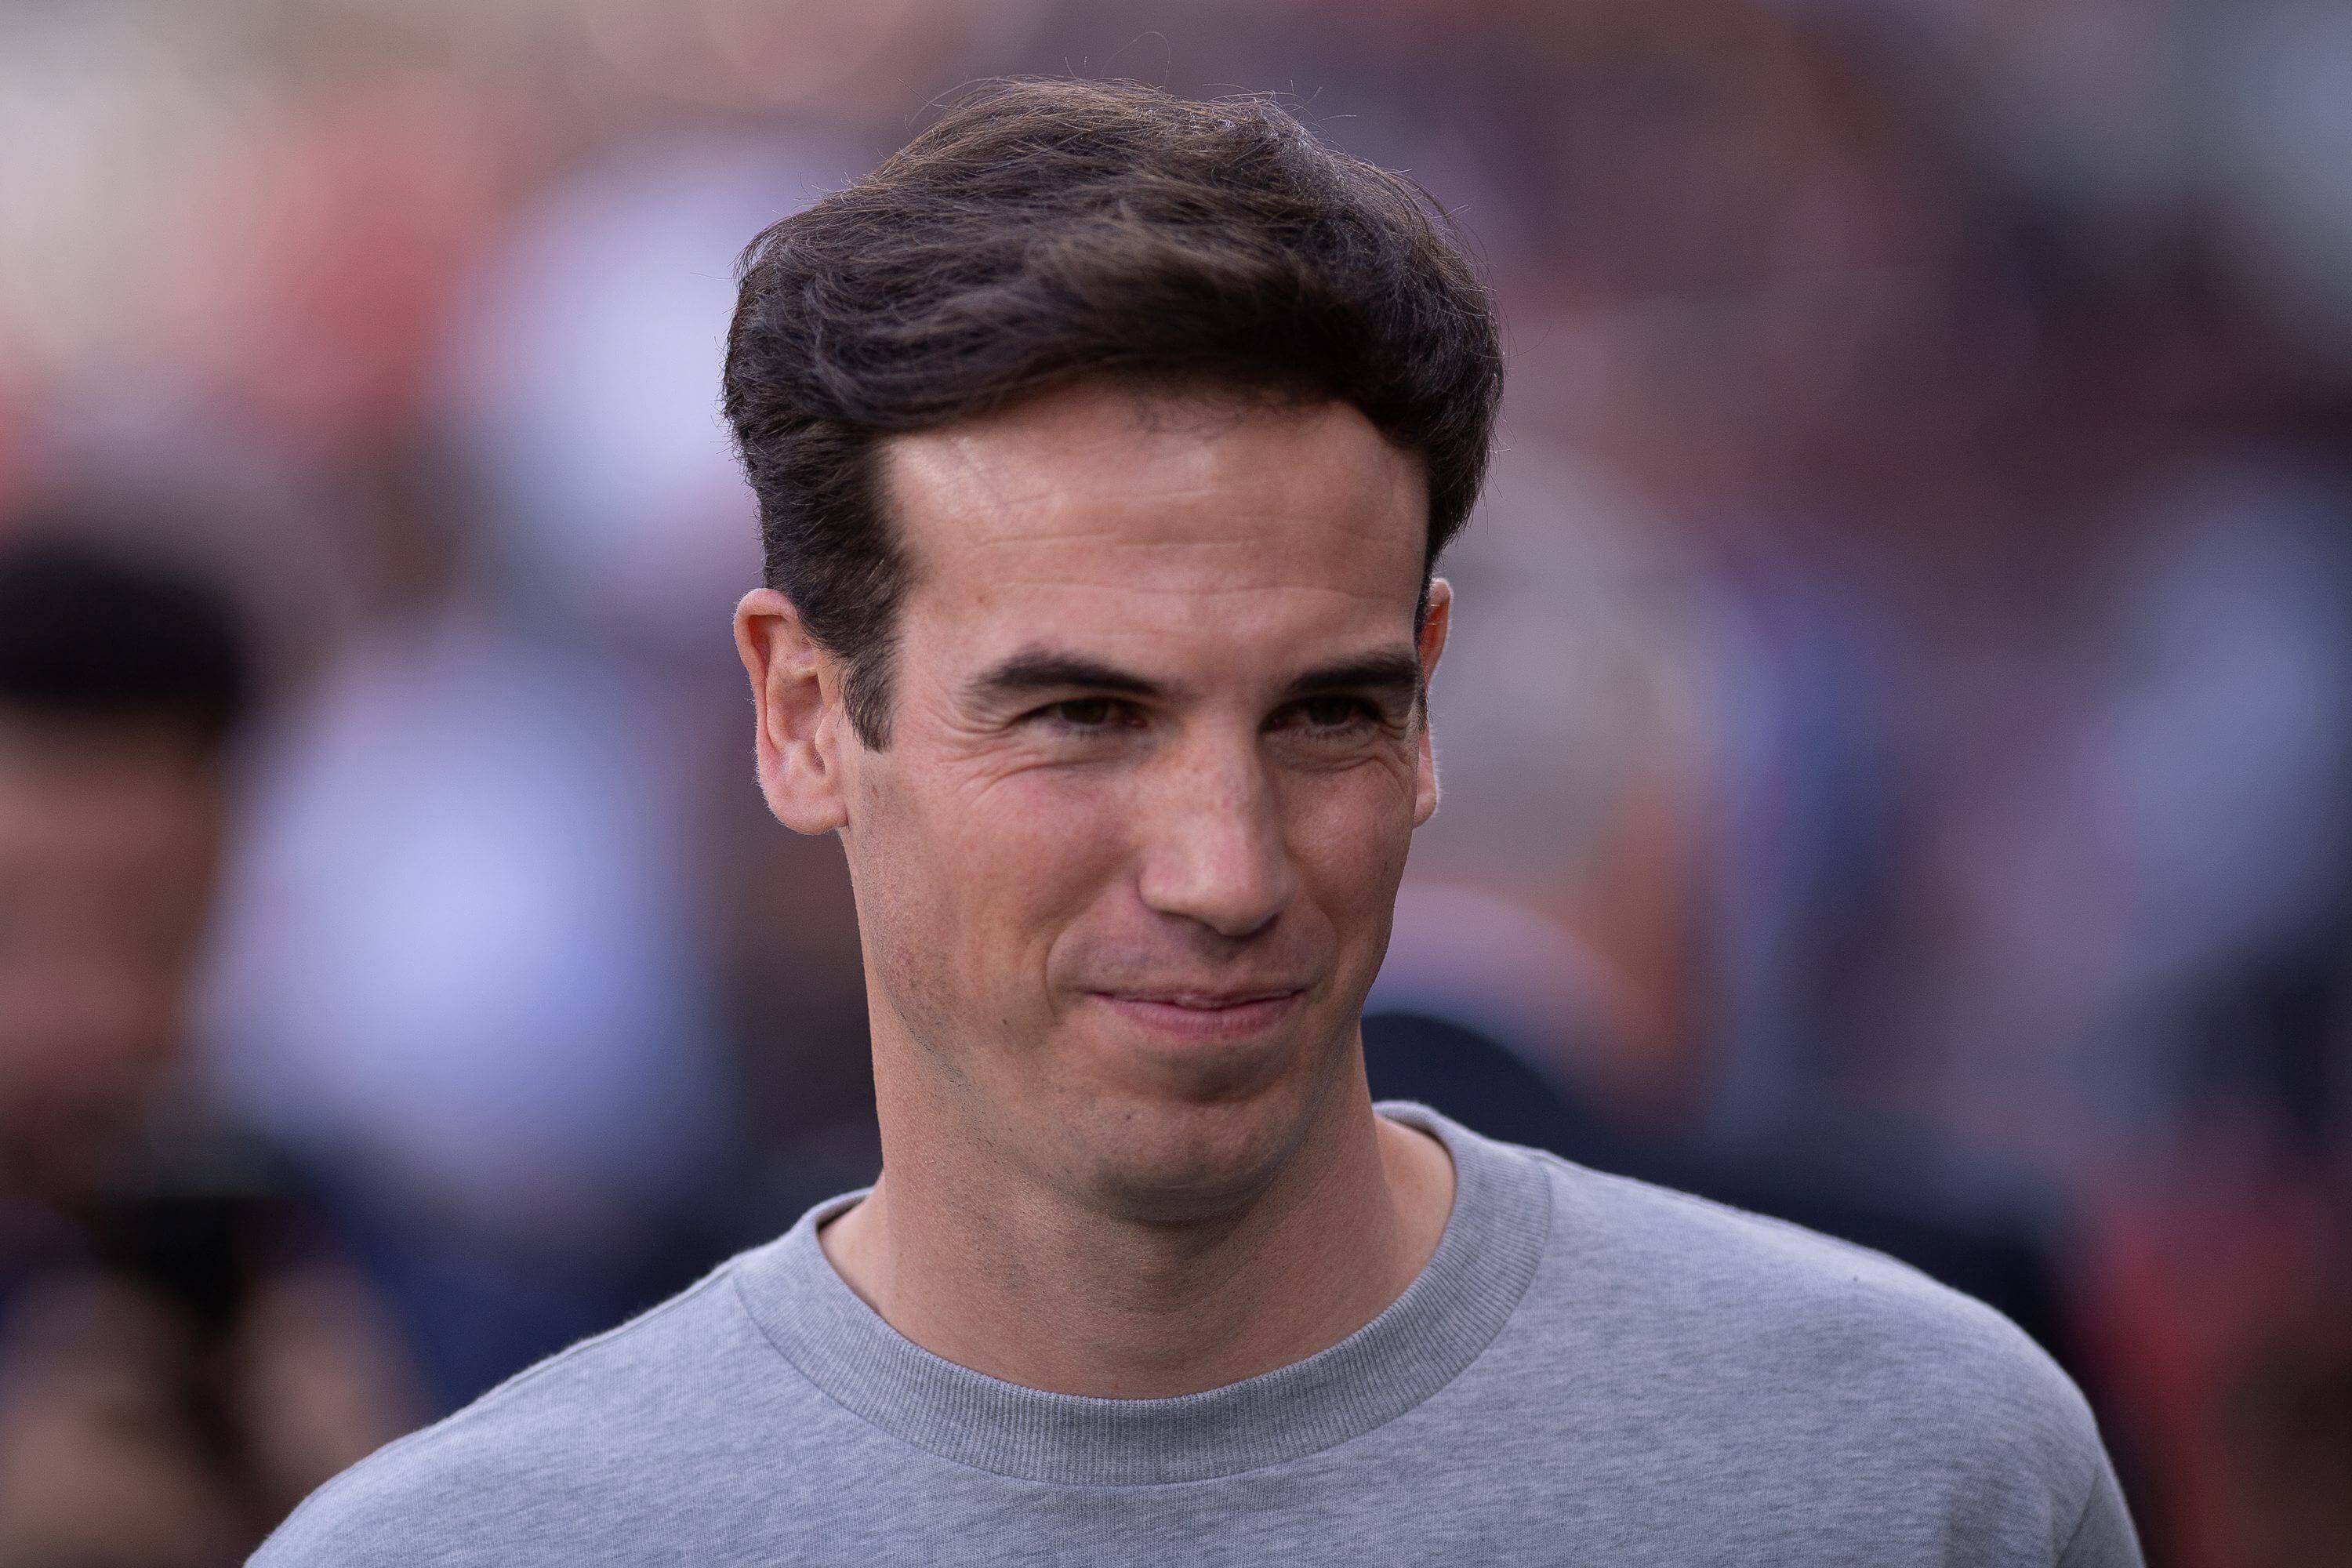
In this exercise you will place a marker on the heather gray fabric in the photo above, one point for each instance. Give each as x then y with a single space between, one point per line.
1591 1371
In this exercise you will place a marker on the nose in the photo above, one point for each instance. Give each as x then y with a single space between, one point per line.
1214 849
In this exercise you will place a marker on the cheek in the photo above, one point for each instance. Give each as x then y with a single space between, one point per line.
977 880
1048 845
1349 833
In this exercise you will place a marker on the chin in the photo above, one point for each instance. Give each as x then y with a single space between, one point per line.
1178 1157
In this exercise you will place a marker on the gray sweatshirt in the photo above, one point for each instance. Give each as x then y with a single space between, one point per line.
1589 1370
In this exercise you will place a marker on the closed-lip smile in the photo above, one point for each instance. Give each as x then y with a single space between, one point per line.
1204 1000
1205 1014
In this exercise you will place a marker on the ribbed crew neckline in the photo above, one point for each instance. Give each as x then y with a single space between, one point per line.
1457 1304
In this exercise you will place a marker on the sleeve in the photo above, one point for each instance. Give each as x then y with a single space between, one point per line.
2104 1537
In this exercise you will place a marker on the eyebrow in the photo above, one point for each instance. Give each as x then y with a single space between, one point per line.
1035 670
1394 671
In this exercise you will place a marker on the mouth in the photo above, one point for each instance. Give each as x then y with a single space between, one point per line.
1204 1015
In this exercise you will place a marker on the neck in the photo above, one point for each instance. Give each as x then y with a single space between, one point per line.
983 1267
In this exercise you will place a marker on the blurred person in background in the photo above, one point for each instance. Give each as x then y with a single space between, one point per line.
469 964
185 1348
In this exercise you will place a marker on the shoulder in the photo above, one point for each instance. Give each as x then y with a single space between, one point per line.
557 1456
1725 1320
1746 1294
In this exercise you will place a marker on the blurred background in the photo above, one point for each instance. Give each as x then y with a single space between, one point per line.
1898 734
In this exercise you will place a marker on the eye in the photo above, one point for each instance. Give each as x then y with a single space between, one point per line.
1333 713
1085 713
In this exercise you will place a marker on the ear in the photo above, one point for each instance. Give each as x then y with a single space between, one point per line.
1430 645
796 694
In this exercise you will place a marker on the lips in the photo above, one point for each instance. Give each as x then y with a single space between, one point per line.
1204 1015
1204 1001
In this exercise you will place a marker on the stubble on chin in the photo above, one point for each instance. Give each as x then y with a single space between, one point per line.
1165 1156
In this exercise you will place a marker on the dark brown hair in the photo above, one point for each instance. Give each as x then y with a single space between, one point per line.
1044 231
80 623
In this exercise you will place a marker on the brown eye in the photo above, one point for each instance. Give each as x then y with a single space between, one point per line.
1335 712
1084 712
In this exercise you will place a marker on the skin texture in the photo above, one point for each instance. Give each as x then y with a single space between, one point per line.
1124 873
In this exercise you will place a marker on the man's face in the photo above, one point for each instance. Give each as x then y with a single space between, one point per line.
1126 868
109 841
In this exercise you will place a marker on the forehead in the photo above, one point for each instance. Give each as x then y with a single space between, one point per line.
1104 514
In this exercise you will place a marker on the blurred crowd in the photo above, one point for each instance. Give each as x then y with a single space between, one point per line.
1897 737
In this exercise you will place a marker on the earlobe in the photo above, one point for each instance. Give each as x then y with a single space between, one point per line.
794 700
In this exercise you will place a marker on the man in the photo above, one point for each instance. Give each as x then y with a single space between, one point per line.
1104 444
183 1350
